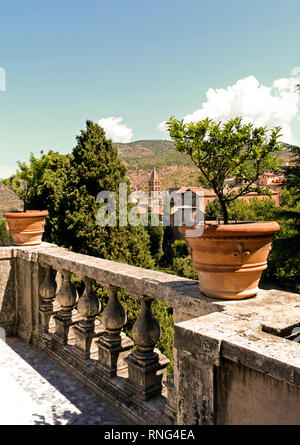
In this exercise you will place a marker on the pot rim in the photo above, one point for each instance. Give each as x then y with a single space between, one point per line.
26 214
241 228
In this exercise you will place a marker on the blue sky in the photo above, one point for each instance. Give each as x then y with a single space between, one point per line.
142 61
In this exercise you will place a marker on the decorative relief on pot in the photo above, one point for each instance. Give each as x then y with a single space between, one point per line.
240 253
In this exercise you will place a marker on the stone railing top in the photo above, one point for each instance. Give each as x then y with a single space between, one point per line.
176 291
220 335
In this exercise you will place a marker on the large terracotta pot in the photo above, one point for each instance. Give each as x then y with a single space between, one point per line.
230 258
26 228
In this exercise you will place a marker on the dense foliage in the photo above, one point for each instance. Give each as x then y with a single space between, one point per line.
156 234
231 150
176 259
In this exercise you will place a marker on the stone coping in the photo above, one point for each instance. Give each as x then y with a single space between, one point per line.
242 340
177 292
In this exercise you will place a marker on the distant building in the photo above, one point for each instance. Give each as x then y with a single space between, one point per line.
154 198
271 180
154 184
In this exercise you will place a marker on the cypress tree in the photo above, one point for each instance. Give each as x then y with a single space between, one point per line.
95 166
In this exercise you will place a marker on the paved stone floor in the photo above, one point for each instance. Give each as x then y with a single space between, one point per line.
35 390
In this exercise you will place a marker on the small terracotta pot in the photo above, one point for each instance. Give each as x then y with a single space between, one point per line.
230 258
26 228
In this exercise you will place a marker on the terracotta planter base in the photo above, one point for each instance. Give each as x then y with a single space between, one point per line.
28 239
235 294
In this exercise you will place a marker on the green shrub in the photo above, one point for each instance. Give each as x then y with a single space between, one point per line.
179 249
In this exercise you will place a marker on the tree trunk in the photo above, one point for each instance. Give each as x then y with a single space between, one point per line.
224 211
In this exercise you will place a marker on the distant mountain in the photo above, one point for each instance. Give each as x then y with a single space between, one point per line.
174 169
149 153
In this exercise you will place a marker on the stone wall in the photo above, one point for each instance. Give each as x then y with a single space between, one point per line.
246 395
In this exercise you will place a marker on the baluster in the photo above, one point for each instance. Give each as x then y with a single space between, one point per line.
67 297
88 307
47 291
146 366
170 406
113 345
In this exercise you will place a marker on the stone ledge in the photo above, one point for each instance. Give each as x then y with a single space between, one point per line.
267 356
219 335
203 336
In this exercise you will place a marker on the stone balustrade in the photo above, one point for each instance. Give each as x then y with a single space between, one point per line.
216 342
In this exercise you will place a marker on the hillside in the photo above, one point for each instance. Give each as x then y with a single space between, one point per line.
173 168
142 154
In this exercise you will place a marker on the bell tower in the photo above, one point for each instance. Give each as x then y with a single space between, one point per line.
154 184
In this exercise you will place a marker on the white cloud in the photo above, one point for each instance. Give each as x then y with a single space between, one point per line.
263 106
6 171
115 130
162 126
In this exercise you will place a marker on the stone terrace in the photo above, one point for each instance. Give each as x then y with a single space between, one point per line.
38 391
234 362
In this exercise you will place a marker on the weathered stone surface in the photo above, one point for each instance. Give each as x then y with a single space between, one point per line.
25 293
111 357
47 292
246 396
145 377
67 297
235 340
203 336
88 308
146 366
195 391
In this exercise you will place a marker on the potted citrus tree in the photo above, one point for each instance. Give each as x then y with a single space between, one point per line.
26 227
229 256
